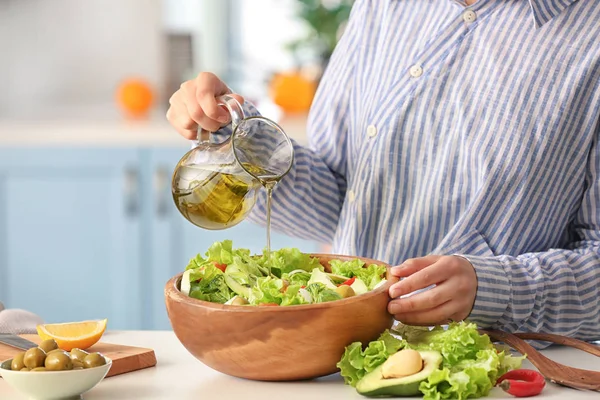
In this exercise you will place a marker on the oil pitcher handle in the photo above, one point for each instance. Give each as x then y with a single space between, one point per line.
235 110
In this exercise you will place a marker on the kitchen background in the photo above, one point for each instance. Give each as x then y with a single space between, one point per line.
88 229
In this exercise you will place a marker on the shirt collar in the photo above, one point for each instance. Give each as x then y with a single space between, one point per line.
545 10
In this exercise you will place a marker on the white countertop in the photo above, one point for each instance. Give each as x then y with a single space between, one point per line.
178 375
109 129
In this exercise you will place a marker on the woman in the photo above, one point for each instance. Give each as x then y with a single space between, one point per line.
460 142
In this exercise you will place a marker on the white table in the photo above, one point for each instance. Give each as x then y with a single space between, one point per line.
179 376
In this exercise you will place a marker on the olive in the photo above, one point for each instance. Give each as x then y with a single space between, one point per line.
94 360
76 368
78 354
345 291
54 351
48 345
17 362
34 358
58 361
38 369
76 363
24 369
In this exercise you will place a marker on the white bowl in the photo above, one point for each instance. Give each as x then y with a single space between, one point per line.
54 385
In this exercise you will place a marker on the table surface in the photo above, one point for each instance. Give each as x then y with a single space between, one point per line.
178 375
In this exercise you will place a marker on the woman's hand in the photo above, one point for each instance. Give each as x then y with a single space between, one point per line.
194 105
452 298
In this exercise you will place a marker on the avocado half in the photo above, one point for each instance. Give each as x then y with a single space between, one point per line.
374 385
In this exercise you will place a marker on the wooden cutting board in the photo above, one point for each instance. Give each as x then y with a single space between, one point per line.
125 358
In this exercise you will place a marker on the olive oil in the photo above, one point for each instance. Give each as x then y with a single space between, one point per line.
221 196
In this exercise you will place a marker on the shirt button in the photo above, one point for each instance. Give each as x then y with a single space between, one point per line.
469 16
351 196
416 71
371 130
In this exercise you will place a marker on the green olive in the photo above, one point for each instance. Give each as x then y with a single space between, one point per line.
345 291
94 360
77 363
54 351
58 361
239 301
24 369
34 358
78 354
38 369
77 368
48 345
17 362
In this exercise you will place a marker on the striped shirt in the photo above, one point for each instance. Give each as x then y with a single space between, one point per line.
441 128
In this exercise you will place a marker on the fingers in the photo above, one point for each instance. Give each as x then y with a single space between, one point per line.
208 87
422 301
434 316
413 265
194 105
425 276
178 116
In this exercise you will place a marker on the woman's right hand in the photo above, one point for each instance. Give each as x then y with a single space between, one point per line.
194 105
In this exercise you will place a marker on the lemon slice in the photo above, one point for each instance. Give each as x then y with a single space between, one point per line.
70 335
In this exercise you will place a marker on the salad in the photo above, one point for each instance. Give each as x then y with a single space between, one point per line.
284 277
456 363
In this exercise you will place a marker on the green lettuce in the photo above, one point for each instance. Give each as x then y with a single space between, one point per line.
208 284
276 291
297 278
471 363
356 362
371 275
286 260
321 293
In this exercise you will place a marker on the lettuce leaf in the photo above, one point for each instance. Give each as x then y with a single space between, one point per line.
460 341
208 284
470 367
273 290
356 362
371 275
471 363
321 293
287 260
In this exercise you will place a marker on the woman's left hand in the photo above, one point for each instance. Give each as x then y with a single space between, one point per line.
451 299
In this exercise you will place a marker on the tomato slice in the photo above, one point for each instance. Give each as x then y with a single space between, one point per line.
220 266
349 282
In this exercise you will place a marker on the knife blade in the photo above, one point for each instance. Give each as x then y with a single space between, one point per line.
16 341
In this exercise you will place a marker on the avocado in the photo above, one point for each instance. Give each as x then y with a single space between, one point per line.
374 384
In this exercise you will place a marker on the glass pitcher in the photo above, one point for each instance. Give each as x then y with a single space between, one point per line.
215 185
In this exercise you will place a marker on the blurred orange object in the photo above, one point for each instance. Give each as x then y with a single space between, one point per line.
292 91
135 96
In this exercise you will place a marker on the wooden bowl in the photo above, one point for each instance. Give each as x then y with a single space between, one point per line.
277 343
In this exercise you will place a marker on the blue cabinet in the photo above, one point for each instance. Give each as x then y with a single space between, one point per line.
69 234
89 233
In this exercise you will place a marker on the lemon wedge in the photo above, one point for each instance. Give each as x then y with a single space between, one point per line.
70 335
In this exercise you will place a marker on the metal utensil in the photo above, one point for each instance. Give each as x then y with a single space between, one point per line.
16 341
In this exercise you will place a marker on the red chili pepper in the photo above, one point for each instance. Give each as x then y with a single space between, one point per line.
522 382
220 266
302 287
349 282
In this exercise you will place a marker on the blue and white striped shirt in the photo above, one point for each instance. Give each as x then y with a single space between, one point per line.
446 129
